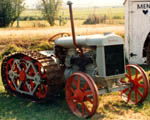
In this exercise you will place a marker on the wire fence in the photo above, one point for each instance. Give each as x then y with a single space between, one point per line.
106 15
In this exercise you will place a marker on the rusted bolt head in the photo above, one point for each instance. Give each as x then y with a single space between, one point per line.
69 3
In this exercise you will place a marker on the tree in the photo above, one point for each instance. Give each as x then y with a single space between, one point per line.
10 11
50 10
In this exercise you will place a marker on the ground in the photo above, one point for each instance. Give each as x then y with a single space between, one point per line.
111 106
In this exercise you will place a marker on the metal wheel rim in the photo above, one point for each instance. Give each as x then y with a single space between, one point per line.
21 74
136 85
73 102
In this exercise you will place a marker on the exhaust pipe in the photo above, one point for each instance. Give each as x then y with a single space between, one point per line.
73 28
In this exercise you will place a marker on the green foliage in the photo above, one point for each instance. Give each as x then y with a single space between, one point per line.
38 24
10 11
10 49
117 17
42 46
95 19
31 18
50 10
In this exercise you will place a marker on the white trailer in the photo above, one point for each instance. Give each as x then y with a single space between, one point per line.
137 31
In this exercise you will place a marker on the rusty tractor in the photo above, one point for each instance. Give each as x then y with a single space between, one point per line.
86 66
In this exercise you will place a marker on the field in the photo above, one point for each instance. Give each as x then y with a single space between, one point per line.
25 37
113 15
33 33
81 13
111 107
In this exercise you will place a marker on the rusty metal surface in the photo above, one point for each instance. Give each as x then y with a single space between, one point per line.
55 74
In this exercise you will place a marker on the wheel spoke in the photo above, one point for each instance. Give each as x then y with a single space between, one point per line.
141 85
141 77
139 92
78 85
86 108
16 75
71 90
125 90
136 97
75 82
128 76
88 93
136 74
72 98
27 69
30 77
89 100
129 95
85 86
18 66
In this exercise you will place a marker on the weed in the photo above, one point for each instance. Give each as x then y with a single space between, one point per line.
10 49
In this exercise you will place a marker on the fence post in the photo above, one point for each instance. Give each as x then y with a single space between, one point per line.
60 20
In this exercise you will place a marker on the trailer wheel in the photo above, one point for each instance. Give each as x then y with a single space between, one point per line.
82 95
138 91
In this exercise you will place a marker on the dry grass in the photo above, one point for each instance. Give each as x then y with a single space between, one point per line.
26 36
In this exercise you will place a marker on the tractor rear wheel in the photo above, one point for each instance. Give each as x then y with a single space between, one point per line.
31 75
138 92
82 95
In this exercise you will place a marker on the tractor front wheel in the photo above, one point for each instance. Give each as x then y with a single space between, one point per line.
82 95
137 78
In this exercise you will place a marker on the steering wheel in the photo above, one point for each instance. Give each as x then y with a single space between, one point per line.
56 36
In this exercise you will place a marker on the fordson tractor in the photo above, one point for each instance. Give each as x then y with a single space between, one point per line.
84 66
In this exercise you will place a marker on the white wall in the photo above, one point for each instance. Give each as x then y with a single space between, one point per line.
137 27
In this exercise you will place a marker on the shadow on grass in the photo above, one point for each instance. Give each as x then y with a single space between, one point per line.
115 108
14 108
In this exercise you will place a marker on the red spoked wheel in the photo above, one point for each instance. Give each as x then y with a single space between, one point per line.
24 75
138 91
82 95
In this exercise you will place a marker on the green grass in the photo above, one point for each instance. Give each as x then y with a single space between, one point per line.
114 15
13 108
111 107
85 12
81 13
31 13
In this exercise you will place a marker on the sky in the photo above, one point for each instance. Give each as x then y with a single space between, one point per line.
84 3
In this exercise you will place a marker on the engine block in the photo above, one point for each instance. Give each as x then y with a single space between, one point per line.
103 55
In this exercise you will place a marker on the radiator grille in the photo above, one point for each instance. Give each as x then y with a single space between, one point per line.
114 60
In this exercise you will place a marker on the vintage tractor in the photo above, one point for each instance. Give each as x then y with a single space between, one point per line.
86 66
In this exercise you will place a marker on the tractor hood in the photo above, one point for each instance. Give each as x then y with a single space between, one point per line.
90 40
